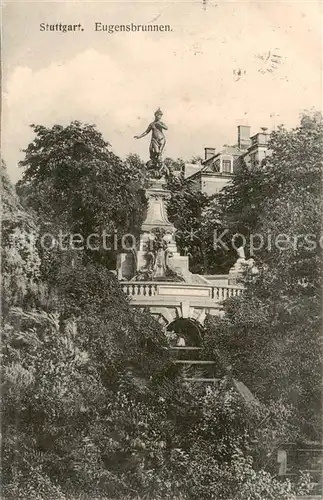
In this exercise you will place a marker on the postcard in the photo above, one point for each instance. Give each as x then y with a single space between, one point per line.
161 249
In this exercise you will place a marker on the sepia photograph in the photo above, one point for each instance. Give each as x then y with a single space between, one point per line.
161 250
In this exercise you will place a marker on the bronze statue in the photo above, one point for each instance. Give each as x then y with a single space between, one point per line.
157 143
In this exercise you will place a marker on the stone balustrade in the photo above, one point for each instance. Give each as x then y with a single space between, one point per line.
139 288
147 289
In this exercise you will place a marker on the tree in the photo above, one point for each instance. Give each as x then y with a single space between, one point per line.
63 369
196 217
272 333
92 405
185 210
196 159
76 185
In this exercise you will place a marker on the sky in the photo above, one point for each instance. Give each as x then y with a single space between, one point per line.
208 75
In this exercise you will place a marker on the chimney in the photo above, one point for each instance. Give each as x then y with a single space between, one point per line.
208 153
243 136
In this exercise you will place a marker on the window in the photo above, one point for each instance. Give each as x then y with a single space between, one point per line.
226 166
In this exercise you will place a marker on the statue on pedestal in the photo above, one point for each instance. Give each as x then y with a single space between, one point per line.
241 265
158 140
157 258
157 266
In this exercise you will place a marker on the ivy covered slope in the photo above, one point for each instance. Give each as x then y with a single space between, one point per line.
272 334
66 352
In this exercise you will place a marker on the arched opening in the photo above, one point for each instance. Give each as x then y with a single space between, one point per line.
189 332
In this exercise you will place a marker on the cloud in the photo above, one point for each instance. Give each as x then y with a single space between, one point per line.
191 74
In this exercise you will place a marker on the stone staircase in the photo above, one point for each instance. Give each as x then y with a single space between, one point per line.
292 460
194 369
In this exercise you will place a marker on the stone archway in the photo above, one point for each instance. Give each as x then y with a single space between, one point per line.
189 331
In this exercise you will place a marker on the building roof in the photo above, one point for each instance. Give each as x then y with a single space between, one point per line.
227 150
232 150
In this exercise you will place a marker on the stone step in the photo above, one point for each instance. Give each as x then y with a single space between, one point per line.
201 379
185 348
194 353
194 362
201 370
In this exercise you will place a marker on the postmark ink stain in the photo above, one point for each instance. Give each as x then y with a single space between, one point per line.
270 61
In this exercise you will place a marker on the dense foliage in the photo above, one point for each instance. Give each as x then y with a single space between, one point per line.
196 216
77 186
93 406
272 334
20 258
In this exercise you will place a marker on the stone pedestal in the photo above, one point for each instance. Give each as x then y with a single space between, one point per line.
236 271
156 219
156 216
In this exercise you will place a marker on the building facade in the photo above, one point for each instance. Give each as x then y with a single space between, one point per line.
216 170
